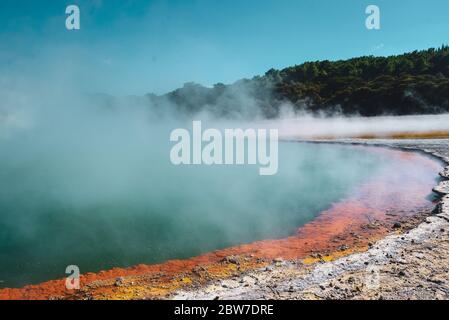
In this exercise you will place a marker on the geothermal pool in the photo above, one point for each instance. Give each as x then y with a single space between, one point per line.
105 208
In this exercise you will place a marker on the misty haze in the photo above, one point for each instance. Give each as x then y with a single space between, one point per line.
335 185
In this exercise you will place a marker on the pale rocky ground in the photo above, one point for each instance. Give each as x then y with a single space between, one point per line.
412 265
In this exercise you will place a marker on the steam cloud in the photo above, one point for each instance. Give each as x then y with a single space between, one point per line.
90 174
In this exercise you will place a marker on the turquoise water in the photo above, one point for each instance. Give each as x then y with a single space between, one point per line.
99 206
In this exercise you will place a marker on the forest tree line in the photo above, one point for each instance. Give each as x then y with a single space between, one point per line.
411 83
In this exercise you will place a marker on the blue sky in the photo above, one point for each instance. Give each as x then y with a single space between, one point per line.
136 46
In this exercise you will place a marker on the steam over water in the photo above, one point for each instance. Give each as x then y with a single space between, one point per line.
94 187
86 178
100 203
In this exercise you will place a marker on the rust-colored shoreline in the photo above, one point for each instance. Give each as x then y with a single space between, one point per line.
400 135
347 226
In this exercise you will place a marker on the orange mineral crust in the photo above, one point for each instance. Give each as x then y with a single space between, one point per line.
393 199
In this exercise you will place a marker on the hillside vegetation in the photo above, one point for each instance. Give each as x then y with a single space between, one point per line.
411 83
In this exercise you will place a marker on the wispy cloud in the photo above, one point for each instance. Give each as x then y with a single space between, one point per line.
378 47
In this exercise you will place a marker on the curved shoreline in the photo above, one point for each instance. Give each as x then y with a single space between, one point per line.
410 265
168 279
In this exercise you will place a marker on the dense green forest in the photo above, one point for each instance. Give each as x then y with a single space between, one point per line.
412 83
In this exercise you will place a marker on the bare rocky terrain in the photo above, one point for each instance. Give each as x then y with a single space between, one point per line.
413 264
